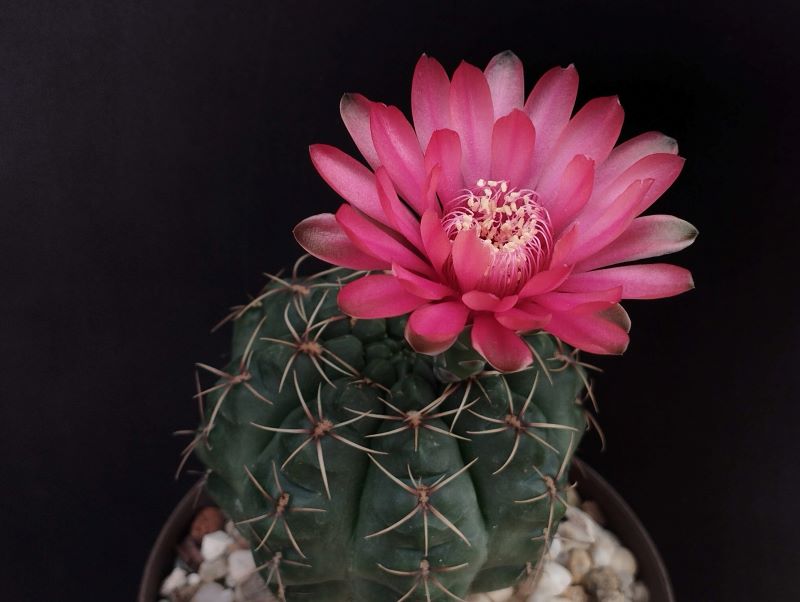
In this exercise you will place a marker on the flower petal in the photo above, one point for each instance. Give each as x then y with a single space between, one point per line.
594 327
377 296
524 318
471 258
376 241
545 281
472 116
592 132
434 327
501 347
549 106
354 109
648 236
562 301
649 281
444 150
437 244
421 286
322 236
349 178
483 301
399 152
398 215
629 152
430 92
513 141
506 83
574 191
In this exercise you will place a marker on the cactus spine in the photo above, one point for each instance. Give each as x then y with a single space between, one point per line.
362 471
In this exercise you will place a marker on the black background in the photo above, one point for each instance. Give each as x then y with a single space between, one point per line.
153 162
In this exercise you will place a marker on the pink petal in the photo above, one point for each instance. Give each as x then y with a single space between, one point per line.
512 148
377 241
629 152
444 150
611 224
545 281
549 106
354 109
472 116
377 296
649 281
432 328
648 236
430 92
399 152
483 301
437 244
594 327
662 168
501 347
322 236
565 244
471 258
349 178
506 83
398 216
574 191
524 318
421 286
561 301
592 132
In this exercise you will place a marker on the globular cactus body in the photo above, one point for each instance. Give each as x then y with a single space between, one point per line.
362 471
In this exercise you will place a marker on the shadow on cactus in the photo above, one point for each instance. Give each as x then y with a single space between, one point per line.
400 427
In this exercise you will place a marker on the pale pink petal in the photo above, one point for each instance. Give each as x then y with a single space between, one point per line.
349 178
506 83
545 281
561 301
444 150
662 168
512 149
374 240
565 244
594 327
574 191
398 215
377 296
501 347
648 236
629 152
524 318
549 106
472 116
354 109
592 132
437 244
432 328
421 286
322 236
430 93
598 233
649 281
483 301
471 258
399 151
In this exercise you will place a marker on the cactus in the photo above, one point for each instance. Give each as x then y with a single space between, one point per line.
360 470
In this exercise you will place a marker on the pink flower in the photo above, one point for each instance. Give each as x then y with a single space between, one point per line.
499 212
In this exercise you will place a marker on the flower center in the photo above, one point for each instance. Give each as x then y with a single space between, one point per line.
513 223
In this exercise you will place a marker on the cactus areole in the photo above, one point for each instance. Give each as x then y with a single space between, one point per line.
400 427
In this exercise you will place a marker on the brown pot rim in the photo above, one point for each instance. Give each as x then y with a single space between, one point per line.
620 518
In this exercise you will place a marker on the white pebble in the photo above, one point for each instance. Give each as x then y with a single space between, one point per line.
211 570
604 548
193 579
553 581
213 592
240 566
215 544
623 561
500 595
176 579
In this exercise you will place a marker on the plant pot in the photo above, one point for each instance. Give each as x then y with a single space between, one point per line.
591 486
